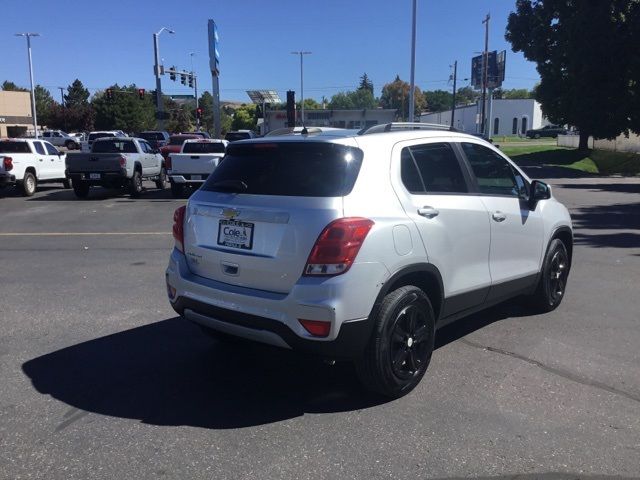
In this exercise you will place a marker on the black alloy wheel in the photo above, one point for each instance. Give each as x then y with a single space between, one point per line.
408 344
553 278
558 273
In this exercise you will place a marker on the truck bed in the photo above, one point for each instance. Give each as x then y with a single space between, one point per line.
194 163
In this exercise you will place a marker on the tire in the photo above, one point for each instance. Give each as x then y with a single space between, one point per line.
28 184
400 347
81 188
536 136
553 279
135 184
161 182
66 183
71 145
177 190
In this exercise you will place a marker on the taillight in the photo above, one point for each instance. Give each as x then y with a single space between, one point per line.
337 246
167 162
178 228
7 163
123 162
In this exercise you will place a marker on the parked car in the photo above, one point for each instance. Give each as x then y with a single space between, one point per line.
86 146
300 131
175 144
59 138
359 247
156 138
199 133
29 162
195 162
236 135
546 131
116 162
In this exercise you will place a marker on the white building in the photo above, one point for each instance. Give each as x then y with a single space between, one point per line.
508 117
333 118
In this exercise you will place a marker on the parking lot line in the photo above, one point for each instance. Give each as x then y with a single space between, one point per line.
76 234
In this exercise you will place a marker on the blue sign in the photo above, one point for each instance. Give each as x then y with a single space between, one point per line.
214 52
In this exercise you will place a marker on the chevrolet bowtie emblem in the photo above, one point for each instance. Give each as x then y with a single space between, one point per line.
230 213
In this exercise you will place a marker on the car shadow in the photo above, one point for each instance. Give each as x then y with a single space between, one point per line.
169 373
97 194
615 187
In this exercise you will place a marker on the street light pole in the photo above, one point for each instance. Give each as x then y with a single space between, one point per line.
195 90
33 93
156 71
301 53
413 64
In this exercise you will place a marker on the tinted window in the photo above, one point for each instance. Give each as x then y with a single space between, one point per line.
202 147
307 169
51 150
493 173
438 168
14 147
234 136
152 136
178 139
144 148
39 148
114 146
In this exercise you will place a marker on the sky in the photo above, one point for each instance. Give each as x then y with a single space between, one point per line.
107 42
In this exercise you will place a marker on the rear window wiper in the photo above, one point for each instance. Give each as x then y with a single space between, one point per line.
230 186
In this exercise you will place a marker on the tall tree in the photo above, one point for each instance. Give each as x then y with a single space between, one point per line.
8 86
366 83
585 55
466 95
44 104
76 95
126 111
437 100
244 118
360 99
396 95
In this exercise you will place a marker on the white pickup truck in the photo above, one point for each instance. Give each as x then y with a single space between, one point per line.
26 162
195 162
116 162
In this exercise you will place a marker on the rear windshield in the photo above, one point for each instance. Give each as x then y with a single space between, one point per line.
114 146
233 136
178 140
93 136
203 147
305 169
152 136
14 147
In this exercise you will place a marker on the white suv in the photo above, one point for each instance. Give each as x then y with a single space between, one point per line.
359 247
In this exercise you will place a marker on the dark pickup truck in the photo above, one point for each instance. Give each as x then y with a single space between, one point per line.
119 162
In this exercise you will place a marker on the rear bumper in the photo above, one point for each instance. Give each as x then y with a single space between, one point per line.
187 178
7 179
106 178
272 318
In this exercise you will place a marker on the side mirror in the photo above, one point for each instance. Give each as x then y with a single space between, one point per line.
539 191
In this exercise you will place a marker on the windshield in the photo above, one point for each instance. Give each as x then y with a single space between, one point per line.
152 136
114 146
178 139
14 147
203 147
307 169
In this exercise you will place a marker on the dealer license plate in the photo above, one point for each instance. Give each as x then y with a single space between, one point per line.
236 234
94 176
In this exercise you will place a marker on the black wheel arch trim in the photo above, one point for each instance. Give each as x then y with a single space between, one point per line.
556 234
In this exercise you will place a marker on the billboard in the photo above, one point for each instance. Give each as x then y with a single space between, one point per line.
495 69
214 52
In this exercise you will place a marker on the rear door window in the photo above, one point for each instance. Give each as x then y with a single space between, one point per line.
306 169
39 148
432 168
14 147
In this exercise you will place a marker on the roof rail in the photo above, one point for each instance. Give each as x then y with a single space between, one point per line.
396 126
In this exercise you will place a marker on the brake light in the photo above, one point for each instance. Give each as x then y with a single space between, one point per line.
7 163
167 162
178 228
123 162
317 328
337 246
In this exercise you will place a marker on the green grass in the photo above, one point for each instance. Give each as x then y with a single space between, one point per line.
499 139
600 162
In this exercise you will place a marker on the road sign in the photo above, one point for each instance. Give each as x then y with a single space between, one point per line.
495 71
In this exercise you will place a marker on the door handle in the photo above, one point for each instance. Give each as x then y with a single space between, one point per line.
40 159
428 212
498 216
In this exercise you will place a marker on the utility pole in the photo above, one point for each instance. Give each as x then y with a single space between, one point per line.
156 71
453 100
485 71
33 93
62 95
301 53
413 64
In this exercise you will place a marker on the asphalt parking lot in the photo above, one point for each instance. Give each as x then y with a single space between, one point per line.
100 379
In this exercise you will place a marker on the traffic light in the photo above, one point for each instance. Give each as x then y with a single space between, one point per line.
154 96
172 73
191 81
291 108
141 93
109 93
183 78
199 113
